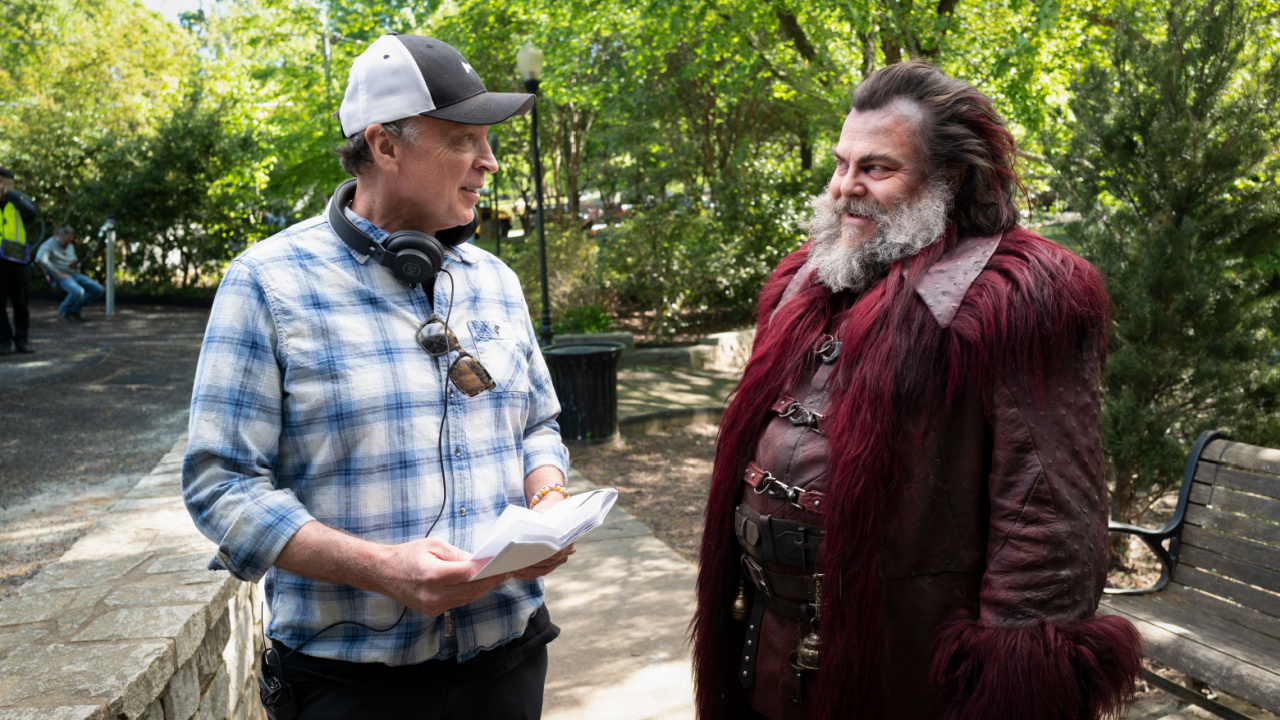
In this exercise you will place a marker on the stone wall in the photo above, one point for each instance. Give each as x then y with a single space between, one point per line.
725 352
130 624
729 351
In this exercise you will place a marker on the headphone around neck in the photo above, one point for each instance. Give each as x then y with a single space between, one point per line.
412 256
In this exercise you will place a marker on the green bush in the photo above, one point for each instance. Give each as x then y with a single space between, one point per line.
572 276
590 318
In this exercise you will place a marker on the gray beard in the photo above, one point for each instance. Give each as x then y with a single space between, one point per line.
843 264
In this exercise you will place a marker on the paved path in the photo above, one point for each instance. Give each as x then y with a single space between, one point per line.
623 605
94 409
647 391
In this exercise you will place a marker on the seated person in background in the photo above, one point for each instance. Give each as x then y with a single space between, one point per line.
58 258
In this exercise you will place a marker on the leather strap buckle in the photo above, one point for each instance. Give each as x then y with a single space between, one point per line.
797 414
763 482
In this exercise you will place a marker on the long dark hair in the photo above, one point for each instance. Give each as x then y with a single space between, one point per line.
962 138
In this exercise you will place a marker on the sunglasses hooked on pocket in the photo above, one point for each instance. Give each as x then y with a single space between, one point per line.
466 372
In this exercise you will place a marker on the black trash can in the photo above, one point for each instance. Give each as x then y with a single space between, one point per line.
585 376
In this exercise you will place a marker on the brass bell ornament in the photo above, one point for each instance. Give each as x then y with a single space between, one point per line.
740 607
809 650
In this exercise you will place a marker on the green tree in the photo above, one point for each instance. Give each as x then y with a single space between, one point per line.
1173 167
184 198
67 87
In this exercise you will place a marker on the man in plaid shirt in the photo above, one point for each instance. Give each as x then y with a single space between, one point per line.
335 454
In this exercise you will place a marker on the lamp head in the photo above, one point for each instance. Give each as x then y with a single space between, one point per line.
529 60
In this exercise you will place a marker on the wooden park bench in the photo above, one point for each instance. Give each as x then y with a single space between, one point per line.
1214 614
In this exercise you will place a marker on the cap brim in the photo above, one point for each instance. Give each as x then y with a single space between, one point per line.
486 108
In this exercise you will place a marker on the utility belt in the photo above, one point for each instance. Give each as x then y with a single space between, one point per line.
783 542
796 596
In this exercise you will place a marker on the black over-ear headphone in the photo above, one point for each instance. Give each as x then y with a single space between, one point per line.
413 256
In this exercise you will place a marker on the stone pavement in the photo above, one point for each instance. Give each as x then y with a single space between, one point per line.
647 391
623 604
624 601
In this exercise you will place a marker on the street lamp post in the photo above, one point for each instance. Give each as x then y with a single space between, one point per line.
529 60
108 232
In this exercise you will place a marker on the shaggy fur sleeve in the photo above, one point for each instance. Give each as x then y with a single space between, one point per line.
776 285
1034 647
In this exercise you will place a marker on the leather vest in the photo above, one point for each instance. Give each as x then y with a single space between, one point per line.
779 526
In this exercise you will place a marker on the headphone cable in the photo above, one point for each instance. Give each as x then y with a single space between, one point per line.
444 493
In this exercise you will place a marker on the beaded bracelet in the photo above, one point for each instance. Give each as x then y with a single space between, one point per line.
557 487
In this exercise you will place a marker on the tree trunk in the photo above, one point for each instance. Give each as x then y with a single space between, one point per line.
868 44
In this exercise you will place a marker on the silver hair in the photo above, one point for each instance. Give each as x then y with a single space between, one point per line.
354 155
843 263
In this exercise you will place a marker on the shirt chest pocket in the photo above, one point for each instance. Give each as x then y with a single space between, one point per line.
501 348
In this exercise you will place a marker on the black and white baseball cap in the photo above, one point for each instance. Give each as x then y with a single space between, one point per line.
399 76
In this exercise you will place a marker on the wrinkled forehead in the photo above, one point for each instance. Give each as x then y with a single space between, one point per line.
890 130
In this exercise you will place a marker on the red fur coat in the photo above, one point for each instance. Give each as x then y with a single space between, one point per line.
965 546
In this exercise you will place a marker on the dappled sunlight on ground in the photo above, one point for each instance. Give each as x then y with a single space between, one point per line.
642 390
623 604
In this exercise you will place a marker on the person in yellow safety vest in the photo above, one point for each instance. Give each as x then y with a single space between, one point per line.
15 210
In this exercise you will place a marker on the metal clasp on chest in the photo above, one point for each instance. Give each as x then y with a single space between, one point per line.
778 490
828 349
800 415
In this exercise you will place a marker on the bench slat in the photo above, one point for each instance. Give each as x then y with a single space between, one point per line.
1244 680
1231 546
1238 614
1260 600
1229 524
1231 567
1214 474
1251 457
1186 618
1259 507
1201 493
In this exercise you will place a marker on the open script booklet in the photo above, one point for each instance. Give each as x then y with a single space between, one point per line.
521 537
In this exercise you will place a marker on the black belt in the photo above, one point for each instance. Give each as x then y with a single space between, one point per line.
772 540
751 645
791 595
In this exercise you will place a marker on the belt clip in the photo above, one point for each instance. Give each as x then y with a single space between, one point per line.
756 573
779 490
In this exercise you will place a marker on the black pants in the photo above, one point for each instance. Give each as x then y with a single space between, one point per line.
13 289
513 695
504 683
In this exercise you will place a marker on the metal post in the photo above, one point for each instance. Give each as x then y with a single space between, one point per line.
109 231
532 86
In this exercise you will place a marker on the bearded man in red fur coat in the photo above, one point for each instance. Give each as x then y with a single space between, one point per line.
908 517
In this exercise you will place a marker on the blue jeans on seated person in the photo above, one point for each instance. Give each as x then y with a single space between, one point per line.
81 290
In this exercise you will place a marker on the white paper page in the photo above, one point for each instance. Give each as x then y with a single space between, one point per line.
521 537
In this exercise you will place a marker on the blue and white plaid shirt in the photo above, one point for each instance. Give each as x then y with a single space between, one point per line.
313 400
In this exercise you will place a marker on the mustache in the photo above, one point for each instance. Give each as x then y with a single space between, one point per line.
865 207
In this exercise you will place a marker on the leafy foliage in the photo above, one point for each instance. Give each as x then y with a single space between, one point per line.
1173 167
184 198
697 131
